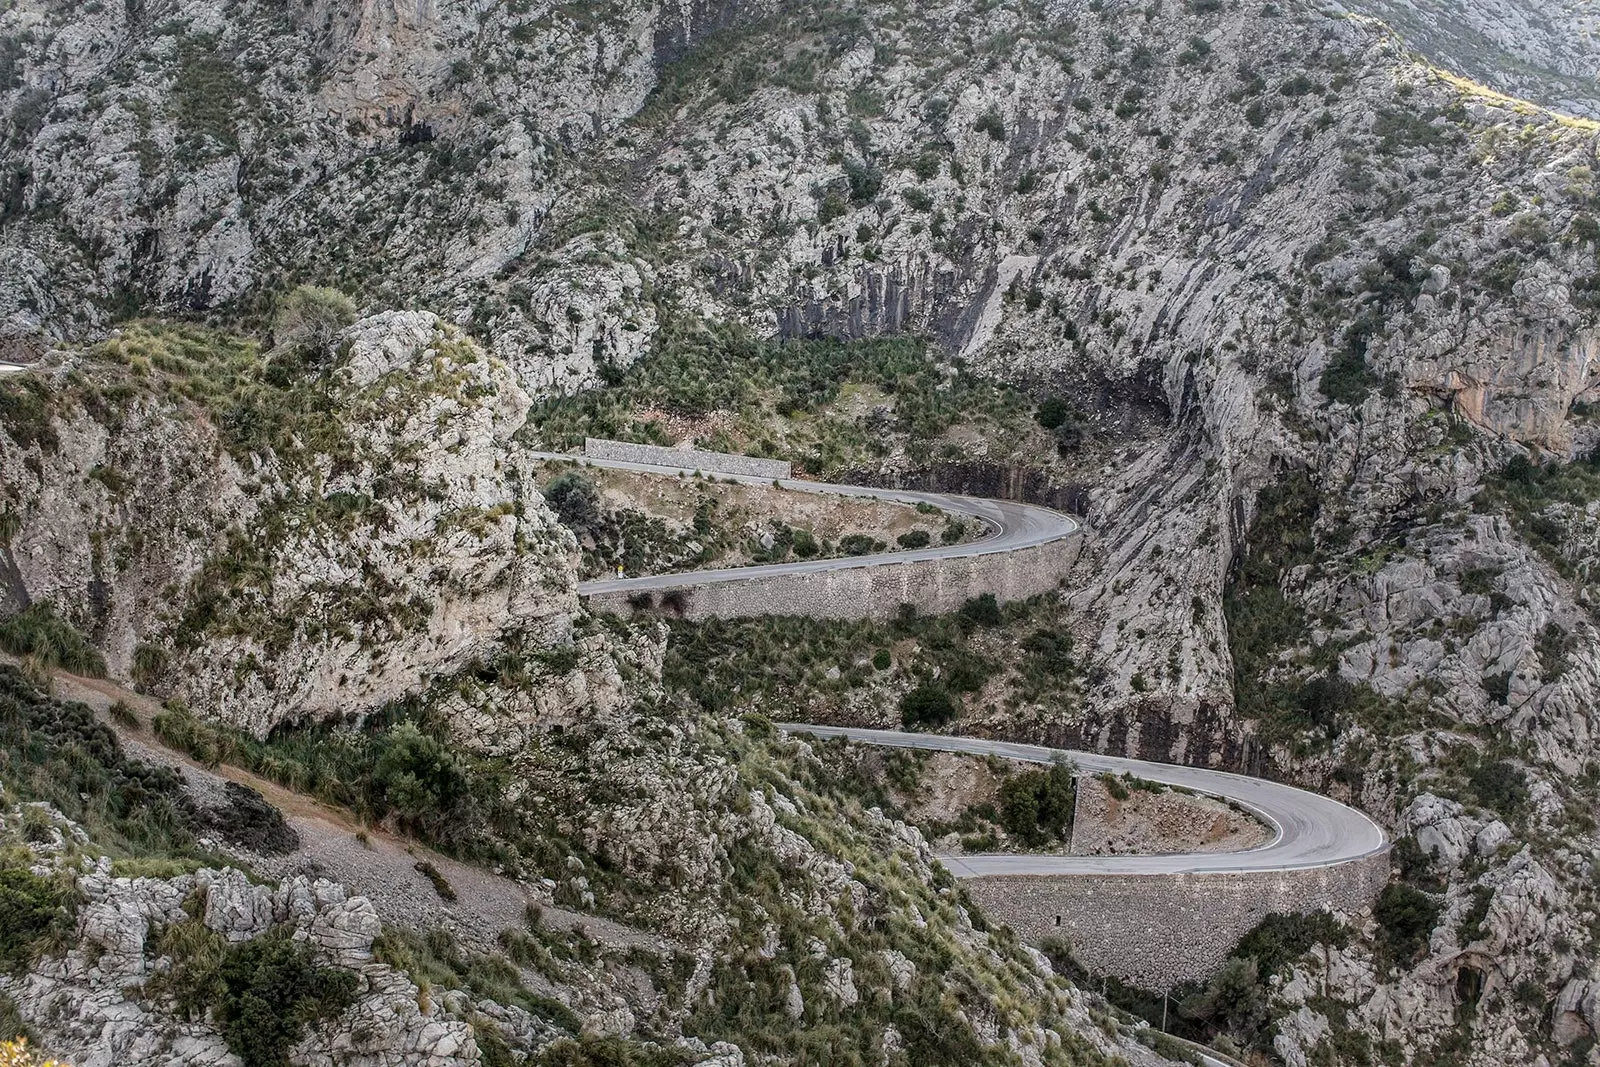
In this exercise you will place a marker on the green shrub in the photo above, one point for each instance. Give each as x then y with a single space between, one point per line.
1499 786
575 501
1407 917
1234 999
1277 941
915 539
1036 806
881 659
992 124
1347 379
1472 920
1054 412
441 885
865 181
38 633
416 774
31 909
926 705
59 752
1118 791
309 321
12 1024
981 611
195 980
857 545
271 990
121 713
26 417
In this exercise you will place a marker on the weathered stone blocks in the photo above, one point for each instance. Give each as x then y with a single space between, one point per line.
710 462
1160 930
875 591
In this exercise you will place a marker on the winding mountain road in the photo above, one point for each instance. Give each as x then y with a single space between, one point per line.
1309 830
1011 525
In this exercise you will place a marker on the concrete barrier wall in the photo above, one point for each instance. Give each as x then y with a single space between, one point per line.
1158 931
933 586
710 462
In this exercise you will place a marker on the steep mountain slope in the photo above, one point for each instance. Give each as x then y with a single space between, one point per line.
1316 321
1538 50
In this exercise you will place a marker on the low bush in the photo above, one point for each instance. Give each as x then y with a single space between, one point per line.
1277 941
32 910
38 633
1407 917
1036 806
981 611
926 705
270 991
309 320
858 545
1499 786
441 885
59 752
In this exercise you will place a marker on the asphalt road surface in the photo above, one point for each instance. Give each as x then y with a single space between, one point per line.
1308 830
1011 526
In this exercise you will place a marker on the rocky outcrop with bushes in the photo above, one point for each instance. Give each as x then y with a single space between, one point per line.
267 539
1303 323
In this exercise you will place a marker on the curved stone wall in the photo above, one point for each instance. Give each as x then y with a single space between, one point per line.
1158 931
709 462
876 591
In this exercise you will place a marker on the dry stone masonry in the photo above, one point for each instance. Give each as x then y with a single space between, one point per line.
688 459
1158 931
868 591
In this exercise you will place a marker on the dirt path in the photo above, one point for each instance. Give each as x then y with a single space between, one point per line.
377 864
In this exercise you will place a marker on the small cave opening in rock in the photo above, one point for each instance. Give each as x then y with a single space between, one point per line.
1469 989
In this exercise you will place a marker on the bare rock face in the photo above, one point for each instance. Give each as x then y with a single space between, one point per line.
1540 50
88 1007
330 574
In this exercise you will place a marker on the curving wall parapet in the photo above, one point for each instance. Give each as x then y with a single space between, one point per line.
601 450
932 586
1159 931
1154 920
1158 920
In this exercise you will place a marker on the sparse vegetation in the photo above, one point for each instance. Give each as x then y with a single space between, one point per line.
49 642
57 752
695 371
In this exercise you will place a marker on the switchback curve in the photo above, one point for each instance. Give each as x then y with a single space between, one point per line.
1310 831
1012 526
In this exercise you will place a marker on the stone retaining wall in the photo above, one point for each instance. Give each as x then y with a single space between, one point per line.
1158 931
933 586
710 462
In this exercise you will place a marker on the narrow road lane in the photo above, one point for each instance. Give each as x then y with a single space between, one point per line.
1011 525
1309 830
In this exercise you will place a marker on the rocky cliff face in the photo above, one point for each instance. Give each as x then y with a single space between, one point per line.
1536 50
1326 314
389 534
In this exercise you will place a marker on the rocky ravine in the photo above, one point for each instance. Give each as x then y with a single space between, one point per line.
1308 295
